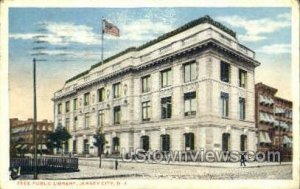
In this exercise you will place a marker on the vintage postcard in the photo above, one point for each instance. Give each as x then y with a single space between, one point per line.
124 94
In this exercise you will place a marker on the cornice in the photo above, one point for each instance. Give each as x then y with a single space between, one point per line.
202 47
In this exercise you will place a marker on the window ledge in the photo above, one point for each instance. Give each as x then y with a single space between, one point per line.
166 87
145 92
189 116
169 118
225 117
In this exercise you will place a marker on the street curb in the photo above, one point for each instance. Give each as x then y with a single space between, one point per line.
102 177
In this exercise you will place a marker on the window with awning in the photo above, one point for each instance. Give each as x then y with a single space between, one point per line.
279 110
284 125
264 137
266 117
287 140
276 123
265 100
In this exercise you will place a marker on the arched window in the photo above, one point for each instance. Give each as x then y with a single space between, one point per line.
243 142
116 144
189 141
165 142
145 143
225 142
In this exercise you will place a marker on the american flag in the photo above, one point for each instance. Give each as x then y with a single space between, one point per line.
111 29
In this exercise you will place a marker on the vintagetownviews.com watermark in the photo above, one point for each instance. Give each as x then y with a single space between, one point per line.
201 155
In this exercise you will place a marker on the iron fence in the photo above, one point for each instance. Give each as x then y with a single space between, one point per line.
46 164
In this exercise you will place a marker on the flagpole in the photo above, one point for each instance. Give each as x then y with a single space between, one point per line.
34 121
102 40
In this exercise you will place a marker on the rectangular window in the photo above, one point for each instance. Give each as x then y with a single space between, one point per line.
86 146
146 111
190 72
166 107
117 90
101 95
165 142
75 123
146 84
86 120
74 147
75 106
189 141
224 104
190 103
117 115
101 118
242 78
59 108
225 72
87 99
166 78
67 106
242 108
68 124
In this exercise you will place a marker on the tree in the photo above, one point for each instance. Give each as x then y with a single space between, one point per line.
99 143
59 137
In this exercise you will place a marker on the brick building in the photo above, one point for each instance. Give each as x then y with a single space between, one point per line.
190 88
21 134
273 119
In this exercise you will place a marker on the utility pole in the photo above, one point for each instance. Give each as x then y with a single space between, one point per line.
34 120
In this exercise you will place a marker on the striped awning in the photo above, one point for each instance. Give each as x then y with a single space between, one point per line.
24 146
279 110
261 99
268 140
266 117
265 100
42 146
286 140
264 137
276 123
284 125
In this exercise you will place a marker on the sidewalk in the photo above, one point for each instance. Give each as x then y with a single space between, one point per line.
89 169
88 161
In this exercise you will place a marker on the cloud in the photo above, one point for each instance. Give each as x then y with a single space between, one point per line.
56 33
257 29
143 29
65 33
25 36
71 55
275 49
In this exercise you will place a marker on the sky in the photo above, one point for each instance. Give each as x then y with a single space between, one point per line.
67 41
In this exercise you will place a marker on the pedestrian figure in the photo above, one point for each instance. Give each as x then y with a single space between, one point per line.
15 173
243 159
116 164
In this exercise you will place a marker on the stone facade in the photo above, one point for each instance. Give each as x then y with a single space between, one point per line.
185 93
